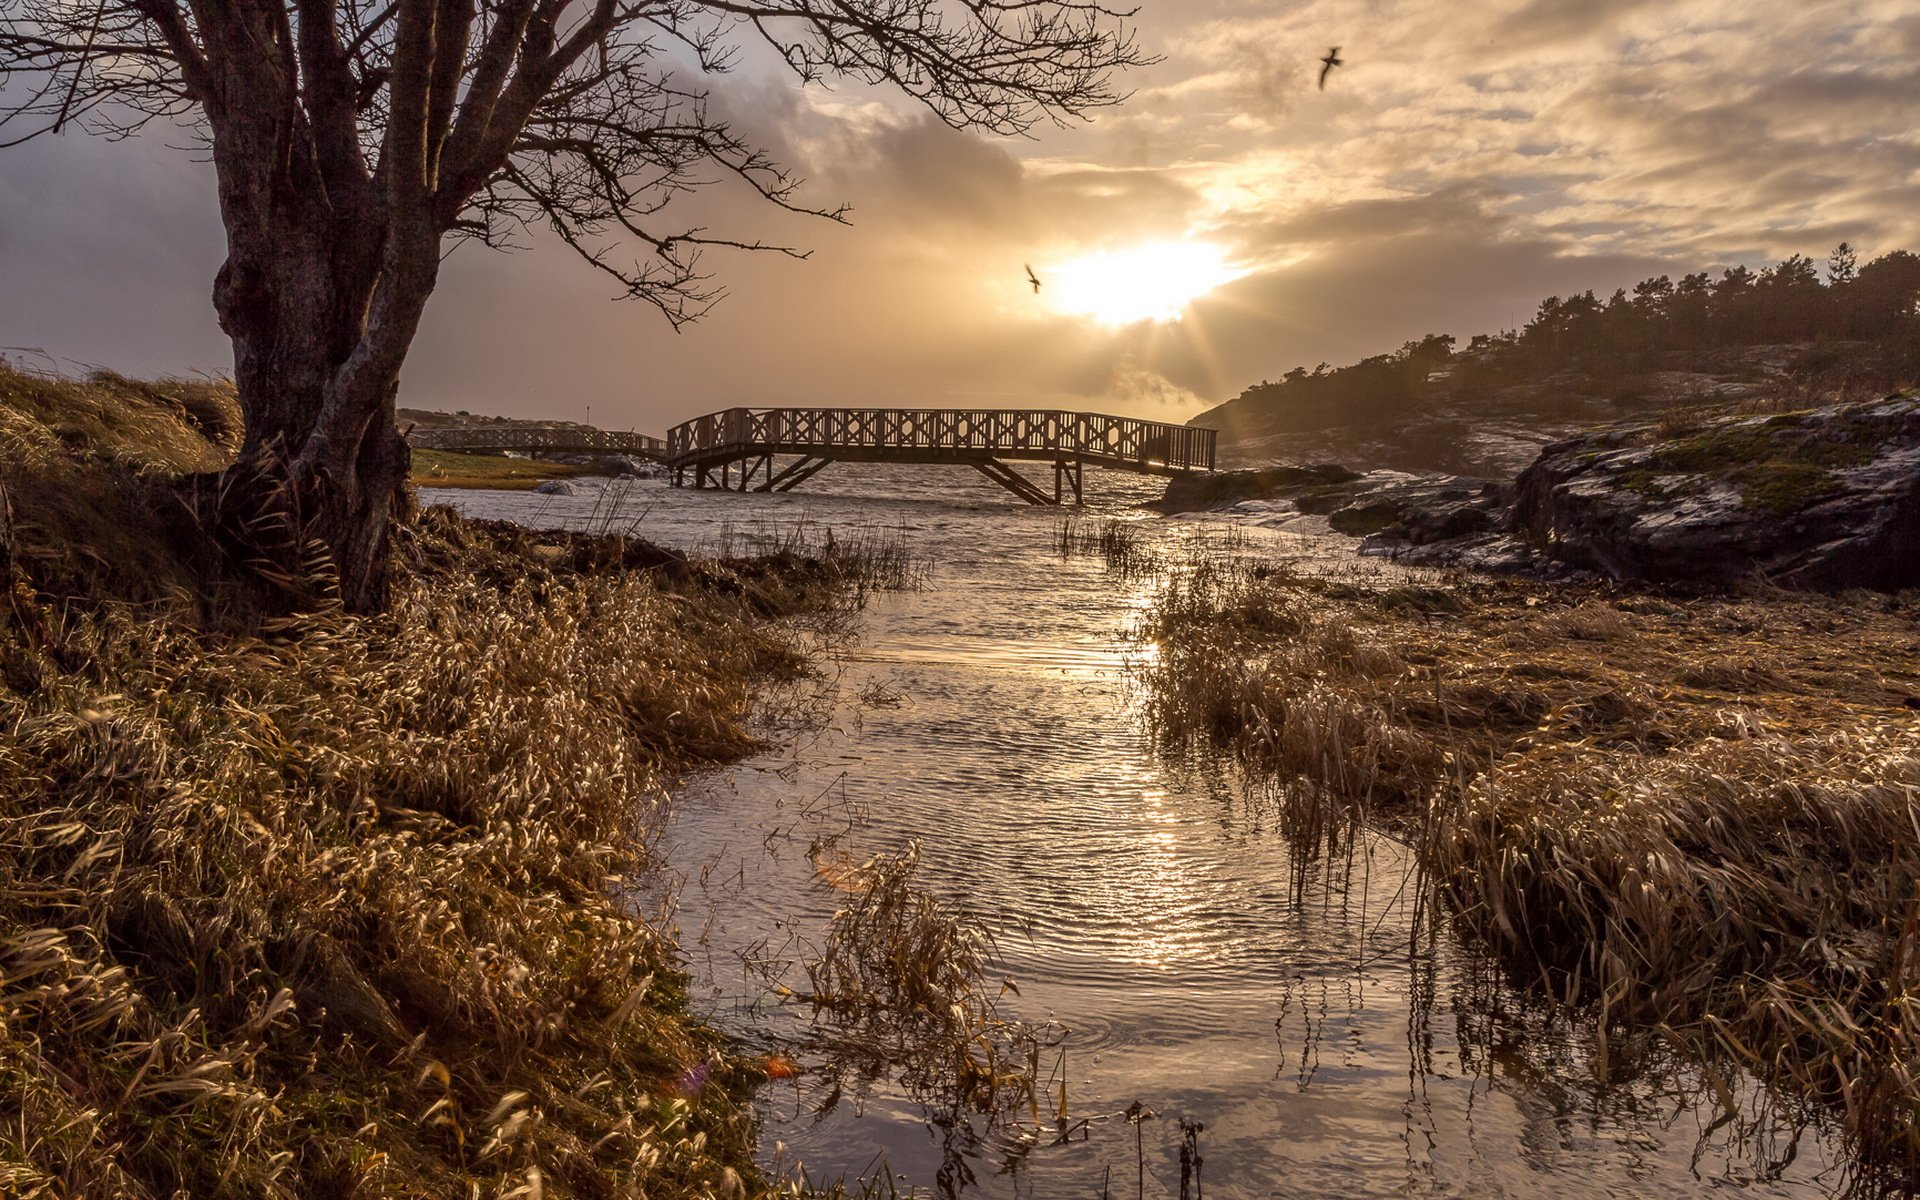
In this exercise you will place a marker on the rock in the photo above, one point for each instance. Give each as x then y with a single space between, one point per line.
1221 489
1423 525
1364 517
1322 501
626 466
1413 510
556 487
615 465
1824 499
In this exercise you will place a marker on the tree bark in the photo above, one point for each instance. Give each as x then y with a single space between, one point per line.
322 473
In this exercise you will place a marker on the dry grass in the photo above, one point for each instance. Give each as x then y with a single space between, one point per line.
1120 543
334 908
906 983
170 426
1697 813
87 470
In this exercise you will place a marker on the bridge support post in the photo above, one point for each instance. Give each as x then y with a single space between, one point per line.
794 473
762 466
1068 474
1012 480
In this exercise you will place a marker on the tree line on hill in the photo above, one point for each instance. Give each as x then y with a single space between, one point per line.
1658 323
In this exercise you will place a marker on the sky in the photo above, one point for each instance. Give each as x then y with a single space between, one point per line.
1226 223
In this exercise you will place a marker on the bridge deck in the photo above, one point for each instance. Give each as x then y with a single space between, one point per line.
981 438
559 440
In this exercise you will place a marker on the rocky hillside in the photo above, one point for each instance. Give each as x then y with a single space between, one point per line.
1461 420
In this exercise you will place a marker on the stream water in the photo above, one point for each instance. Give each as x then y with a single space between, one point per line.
1328 1037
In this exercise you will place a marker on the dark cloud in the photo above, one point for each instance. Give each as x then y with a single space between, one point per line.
1541 23
1458 212
108 252
930 172
1108 205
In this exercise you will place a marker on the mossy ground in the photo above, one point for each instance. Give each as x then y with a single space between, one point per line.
1781 466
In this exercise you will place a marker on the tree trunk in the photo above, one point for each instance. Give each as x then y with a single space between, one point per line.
321 476
314 513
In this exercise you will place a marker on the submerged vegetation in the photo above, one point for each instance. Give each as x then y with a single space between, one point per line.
1695 814
333 905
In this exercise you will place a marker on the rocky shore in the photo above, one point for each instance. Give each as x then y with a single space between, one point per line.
1826 498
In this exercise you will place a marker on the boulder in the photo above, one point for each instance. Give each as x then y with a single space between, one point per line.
1365 516
1222 489
556 487
630 466
1413 510
1827 498
1441 520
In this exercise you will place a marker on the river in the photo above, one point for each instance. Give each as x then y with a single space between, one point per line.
1316 1031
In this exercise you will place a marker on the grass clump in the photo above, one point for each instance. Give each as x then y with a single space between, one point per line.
1119 543
87 469
906 981
1701 815
171 426
336 906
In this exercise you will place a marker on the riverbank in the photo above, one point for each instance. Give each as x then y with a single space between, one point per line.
452 469
343 906
1696 814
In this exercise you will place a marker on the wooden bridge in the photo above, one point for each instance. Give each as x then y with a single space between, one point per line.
736 449
561 439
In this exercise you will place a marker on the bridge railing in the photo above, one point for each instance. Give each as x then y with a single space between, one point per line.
524 438
1006 431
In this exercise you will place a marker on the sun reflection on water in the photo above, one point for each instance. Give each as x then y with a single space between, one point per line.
1330 1042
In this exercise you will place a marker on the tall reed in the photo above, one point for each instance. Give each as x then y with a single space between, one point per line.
1689 814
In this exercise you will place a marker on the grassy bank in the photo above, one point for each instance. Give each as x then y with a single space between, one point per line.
451 469
335 906
1696 813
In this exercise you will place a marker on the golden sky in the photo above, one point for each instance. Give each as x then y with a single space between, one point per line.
1227 223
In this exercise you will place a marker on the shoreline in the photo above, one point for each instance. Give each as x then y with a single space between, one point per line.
1665 811
319 904
453 469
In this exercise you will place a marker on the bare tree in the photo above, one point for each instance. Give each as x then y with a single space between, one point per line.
353 139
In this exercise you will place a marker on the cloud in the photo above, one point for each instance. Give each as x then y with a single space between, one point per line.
108 253
1469 160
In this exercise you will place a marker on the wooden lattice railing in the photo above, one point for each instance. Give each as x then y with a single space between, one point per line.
1014 433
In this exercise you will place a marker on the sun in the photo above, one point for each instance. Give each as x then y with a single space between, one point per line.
1150 282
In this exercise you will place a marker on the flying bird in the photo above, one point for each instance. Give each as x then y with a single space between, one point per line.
1331 61
1033 279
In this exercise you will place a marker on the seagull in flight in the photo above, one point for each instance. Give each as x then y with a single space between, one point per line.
1033 279
1331 61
